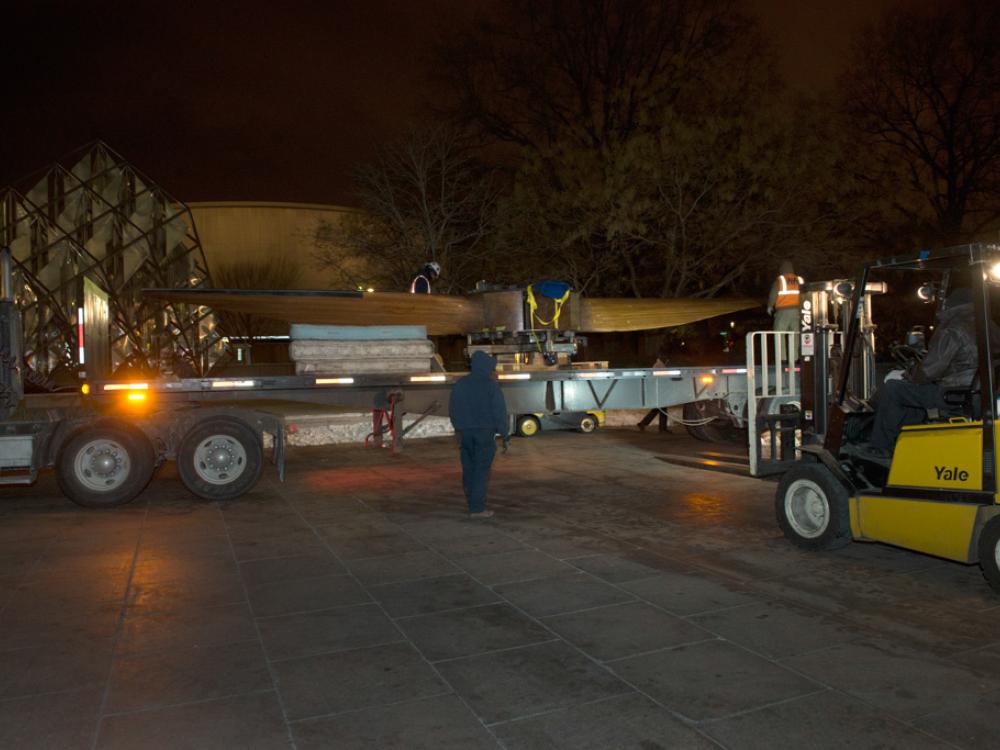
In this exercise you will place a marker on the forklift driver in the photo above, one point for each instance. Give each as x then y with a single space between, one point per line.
951 362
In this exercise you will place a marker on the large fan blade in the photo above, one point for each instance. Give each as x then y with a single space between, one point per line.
442 314
600 315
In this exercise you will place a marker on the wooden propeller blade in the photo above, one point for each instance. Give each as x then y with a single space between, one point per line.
442 314
601 315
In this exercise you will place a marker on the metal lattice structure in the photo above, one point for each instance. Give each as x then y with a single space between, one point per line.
92 216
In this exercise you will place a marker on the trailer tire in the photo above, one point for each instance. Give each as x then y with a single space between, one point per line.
719 430
105 466
989 552
528 425
220 458
812 508
588 424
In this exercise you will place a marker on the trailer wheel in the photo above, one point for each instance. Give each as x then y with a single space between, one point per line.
528 425
588 423
812 508
220 459
105 466
719 430
989 552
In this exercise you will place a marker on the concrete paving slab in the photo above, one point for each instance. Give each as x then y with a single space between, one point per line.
967 724
57 721
472 630
510 684
250 721
900 681
621 630
53 668
712 679
431 595
348 680
542 597
277 569
824 721
628 721
305 595
691 593
439 723
172 677
775 629
698 545
508 567
291 636
203 626
628 565
395 568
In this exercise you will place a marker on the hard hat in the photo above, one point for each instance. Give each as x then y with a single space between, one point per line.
434 267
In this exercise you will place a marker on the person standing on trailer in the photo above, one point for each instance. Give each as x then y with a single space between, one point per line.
421 281
478 413
783 302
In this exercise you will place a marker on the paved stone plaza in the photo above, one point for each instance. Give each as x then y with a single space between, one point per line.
616 601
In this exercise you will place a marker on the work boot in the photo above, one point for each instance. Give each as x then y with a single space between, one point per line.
482 514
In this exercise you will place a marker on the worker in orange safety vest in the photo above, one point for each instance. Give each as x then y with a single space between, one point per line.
783 302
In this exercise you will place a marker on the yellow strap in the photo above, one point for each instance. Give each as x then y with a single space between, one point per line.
533 305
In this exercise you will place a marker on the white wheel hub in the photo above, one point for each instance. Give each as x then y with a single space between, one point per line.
102 465
807 508
220 459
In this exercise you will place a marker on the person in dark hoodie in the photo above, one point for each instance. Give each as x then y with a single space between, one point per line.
951 362
478 413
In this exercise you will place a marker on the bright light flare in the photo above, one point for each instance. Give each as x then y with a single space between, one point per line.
136 396
334 381
427 378
126 387
707 379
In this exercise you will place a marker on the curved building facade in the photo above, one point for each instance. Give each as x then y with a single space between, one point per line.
239 231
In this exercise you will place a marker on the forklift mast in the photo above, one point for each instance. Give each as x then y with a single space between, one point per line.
838 359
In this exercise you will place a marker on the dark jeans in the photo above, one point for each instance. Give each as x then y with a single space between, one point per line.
653 413
477 451
900 403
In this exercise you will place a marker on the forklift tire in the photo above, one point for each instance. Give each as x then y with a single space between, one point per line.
220 459
105 466
989 552
528 425
588 424
812 508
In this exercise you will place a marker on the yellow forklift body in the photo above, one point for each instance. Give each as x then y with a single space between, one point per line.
945 529
939 456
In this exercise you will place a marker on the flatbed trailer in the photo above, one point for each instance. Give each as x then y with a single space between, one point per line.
105 444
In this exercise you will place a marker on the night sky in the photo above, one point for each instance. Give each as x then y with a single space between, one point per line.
271 101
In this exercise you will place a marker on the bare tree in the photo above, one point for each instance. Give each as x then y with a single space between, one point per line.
425 198
924 91
535 73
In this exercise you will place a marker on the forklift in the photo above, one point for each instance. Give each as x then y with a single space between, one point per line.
938 492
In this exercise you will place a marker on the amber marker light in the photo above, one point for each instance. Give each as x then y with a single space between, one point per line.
136 396
707 379
85 389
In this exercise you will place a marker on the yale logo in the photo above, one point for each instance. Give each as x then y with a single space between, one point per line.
951 474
